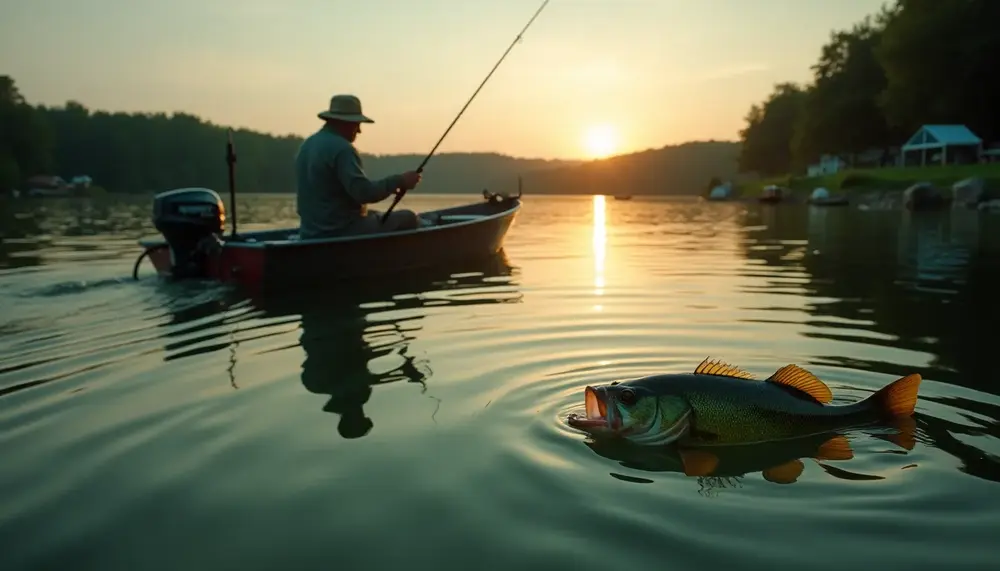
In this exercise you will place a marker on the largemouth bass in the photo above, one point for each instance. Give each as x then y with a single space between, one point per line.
720 404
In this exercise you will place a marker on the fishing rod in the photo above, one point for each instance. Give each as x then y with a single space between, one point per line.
420 169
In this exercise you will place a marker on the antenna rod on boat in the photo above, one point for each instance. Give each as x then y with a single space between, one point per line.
420 169
231 159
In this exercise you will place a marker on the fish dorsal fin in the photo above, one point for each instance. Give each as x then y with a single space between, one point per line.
796 377
718 368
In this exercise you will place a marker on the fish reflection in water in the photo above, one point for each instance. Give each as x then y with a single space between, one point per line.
347 330
778 462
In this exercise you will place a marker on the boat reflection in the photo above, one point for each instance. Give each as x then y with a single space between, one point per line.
778 462
358 336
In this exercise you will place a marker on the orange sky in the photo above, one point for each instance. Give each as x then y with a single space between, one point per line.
591 77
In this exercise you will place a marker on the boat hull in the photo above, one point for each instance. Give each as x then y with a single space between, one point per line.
277 260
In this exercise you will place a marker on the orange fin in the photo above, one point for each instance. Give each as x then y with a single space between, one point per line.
721 369
698 462
796 377
907 435
836 448
899 397
786 473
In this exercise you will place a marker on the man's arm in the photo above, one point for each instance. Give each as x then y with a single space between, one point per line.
357 183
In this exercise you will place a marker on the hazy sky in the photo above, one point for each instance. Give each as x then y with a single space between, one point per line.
645 73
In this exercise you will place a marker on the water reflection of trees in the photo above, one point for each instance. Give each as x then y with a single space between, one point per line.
29 226
15 226
923 282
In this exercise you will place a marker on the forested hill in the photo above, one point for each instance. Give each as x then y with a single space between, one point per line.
680 169
152 152
677 169
461 172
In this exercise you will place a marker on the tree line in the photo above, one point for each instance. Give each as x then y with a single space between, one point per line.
915 62
130 152
671 170
152 152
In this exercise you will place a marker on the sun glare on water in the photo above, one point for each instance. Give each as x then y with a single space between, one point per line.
601 141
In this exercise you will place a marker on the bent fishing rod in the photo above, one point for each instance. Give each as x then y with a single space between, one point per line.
420 169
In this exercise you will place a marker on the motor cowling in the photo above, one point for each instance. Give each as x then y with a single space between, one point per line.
192 221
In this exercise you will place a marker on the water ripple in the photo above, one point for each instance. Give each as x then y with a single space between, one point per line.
160 425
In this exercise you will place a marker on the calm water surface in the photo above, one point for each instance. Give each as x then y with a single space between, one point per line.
420 423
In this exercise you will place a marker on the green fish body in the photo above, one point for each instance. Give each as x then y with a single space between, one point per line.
720 405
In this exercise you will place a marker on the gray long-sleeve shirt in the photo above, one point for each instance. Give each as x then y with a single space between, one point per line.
332 189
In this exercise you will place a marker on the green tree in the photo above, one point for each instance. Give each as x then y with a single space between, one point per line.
914 62
26 139
841 112
766 139
143 152
939 66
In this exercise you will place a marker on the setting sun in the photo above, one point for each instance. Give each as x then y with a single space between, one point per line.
601 141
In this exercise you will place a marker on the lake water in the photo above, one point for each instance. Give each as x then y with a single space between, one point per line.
420 424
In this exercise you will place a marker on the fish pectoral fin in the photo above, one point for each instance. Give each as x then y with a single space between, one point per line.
836 448
786 473
796 377
720 369
698 462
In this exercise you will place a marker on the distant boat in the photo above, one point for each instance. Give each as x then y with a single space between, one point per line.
623 197
772 194
721 192
822 197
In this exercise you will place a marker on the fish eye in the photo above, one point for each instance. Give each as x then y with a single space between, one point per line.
627 397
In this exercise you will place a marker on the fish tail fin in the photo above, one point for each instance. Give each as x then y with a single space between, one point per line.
898 398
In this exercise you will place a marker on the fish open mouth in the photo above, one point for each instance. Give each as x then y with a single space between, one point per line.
596 412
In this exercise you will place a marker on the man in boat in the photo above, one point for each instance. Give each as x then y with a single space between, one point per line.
332 190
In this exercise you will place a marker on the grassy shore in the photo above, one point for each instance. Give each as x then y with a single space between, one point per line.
880 179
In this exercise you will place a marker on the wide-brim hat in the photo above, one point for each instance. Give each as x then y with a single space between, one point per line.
345 108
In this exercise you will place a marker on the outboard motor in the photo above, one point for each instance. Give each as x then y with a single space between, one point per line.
192 221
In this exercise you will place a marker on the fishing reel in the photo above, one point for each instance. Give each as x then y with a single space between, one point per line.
499 197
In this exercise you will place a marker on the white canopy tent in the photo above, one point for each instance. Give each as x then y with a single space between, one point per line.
940 138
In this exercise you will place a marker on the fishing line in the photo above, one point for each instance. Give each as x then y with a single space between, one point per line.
401 192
